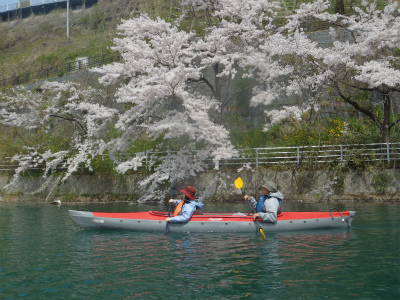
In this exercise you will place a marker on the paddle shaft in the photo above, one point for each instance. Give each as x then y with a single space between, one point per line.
169 211
239 185
255 219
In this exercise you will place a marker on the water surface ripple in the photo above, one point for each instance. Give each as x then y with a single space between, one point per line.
44 255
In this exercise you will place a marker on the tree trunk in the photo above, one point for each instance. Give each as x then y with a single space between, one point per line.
386 118
339 7
193 20
217 93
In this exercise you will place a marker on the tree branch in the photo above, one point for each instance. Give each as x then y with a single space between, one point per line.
72 120
365 111
206 82
394 123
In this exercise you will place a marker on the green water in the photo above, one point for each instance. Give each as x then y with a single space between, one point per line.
44 255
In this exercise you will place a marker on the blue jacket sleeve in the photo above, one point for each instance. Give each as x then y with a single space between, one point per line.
188 210
176 202
253 203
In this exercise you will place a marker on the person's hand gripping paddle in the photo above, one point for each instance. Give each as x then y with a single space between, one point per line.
239 185
169 211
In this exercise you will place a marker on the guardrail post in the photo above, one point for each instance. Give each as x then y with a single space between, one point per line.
256 158
388 151
341 154
298 155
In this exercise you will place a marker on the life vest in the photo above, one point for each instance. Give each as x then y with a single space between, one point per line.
260 203
178 208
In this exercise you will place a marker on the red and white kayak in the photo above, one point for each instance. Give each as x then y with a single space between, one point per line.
212 222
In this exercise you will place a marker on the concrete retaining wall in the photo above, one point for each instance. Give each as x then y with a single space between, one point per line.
311 186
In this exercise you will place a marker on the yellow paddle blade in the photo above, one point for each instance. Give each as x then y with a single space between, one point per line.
262 233
239 183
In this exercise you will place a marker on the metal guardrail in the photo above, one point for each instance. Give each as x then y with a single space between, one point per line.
319 154
256 157
8 165
63 69
10 5
326 154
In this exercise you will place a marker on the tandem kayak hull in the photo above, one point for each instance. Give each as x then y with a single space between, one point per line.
211 222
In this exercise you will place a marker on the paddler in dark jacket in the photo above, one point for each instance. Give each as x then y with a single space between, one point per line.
269 205
186 207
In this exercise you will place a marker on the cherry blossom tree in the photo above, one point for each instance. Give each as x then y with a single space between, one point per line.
49 109
361 66
173 82
158 63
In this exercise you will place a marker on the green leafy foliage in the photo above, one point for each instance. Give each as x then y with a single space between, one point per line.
329 131
380 182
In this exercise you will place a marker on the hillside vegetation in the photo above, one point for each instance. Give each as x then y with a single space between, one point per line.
41 41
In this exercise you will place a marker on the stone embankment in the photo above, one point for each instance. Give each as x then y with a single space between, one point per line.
305 186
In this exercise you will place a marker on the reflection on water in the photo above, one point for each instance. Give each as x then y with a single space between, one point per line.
202 265
44 255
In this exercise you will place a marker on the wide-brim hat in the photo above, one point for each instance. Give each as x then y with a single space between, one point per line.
190 192
270 186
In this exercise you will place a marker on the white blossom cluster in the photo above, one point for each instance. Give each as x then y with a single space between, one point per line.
44 110
292 63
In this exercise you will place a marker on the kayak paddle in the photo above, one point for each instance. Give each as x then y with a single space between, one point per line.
169 211
239 185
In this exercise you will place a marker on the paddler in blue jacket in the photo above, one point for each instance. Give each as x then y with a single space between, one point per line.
186 207
269 205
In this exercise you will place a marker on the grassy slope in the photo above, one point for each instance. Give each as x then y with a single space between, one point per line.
41 41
